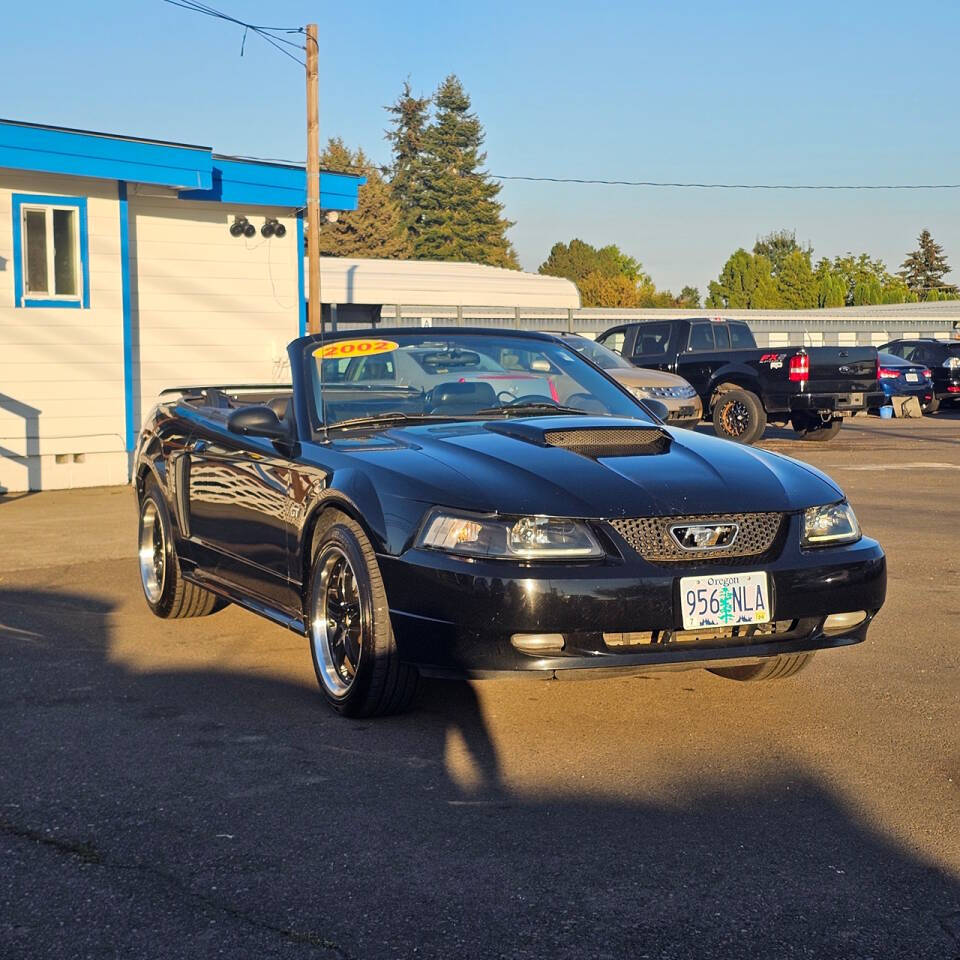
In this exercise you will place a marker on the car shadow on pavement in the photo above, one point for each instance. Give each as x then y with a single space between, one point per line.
203 811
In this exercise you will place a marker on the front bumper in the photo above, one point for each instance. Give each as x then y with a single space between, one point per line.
686 412
455 617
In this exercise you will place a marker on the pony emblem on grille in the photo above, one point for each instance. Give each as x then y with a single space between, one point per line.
704 536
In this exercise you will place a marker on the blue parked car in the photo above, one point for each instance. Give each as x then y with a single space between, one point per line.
901 378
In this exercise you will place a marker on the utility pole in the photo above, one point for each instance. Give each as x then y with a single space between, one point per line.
314 315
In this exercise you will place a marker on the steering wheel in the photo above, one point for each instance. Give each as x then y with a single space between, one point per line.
530 398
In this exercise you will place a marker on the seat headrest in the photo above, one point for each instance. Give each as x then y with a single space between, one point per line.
279 406
469 392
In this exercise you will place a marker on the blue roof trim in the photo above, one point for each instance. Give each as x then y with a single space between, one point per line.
194 171
274 185
75 153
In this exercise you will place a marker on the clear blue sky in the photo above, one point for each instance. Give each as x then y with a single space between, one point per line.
747 92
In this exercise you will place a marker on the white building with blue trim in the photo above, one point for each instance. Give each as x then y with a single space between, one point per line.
120 276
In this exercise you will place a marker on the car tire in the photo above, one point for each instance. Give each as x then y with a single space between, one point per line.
808 429
776 668
168 595
738 415
354 651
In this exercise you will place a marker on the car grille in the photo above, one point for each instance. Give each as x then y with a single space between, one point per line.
609 441
650 536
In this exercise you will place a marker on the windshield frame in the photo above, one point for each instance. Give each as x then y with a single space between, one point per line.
617 362
632 407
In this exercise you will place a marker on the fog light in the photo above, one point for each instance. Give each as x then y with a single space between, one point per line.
538 643
842 622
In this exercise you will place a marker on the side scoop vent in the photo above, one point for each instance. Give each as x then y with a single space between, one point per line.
598 442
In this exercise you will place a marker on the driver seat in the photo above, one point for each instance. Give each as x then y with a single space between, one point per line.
461 398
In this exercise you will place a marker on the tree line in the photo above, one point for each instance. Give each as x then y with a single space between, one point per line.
780 274
436 202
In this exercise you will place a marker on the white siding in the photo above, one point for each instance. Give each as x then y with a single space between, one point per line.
61 370
209 307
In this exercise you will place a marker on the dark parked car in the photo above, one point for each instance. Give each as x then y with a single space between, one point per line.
942 357
742 386
900 378
440 528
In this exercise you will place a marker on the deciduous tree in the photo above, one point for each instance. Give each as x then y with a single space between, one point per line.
796 284
746 282
777 246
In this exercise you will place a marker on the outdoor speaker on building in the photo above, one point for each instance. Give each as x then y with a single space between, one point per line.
273 228
238 226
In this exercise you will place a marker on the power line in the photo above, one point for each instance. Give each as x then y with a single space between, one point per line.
275 36
384 169
737 186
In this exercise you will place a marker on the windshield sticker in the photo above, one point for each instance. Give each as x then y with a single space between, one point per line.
354 348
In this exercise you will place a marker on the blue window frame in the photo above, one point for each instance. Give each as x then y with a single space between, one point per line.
51 256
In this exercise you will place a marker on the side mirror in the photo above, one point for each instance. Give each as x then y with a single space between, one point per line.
657 407
257 421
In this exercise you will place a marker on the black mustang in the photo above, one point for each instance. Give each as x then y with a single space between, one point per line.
469 502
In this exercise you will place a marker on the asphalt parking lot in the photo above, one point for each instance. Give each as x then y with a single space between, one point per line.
178 789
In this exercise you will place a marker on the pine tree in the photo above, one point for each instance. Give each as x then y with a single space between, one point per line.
410 119
375 228
925 268
460 216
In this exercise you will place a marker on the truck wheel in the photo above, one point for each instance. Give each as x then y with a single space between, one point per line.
354 652
814 429
776 668
168 595
738 415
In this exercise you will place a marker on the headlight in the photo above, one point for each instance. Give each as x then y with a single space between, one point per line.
830 525
676 393
529 538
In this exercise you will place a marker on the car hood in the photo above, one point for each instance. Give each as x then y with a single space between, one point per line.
641 377
505 467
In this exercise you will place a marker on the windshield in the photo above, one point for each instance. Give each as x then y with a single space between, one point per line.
602 356
453 376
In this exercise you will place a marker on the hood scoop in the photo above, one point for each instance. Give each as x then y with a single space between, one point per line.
590 441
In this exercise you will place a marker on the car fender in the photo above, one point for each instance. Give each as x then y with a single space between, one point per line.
732 376
348 491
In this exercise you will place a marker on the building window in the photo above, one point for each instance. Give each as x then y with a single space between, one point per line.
50 266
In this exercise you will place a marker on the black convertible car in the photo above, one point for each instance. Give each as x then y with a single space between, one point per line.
473 502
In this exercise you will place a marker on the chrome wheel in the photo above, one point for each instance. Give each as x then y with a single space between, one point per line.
153 552
337 622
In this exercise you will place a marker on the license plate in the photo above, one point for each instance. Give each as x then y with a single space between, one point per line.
724 600
913 377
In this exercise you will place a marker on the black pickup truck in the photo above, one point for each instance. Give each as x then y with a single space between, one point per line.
743 387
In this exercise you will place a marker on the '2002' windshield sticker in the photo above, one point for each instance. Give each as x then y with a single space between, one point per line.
354 348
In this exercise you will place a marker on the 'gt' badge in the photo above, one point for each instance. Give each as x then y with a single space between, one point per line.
704 536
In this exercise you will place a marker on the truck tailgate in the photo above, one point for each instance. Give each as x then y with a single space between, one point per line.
842 369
